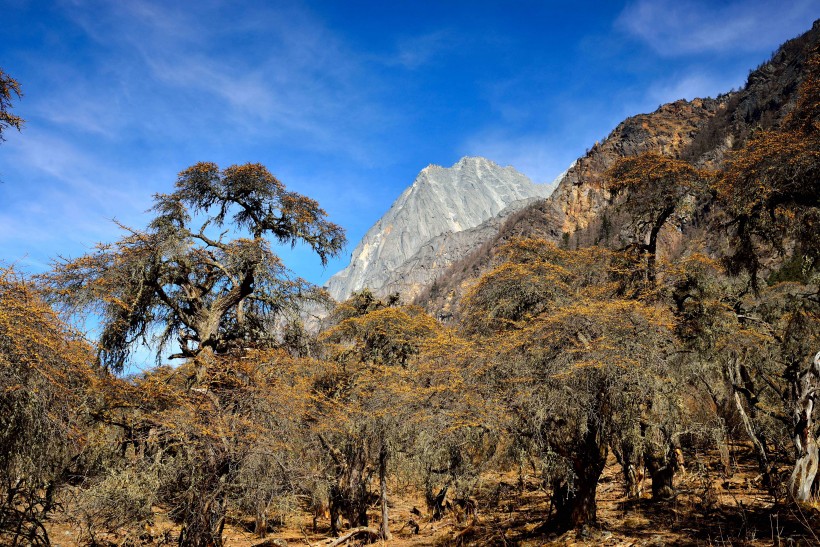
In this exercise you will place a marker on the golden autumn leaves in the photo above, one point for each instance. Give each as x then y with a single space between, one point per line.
558 356
9 89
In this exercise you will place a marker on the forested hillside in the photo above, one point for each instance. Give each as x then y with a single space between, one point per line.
584 211
634 360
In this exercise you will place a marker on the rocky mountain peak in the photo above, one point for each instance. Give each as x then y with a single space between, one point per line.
581 211
441 200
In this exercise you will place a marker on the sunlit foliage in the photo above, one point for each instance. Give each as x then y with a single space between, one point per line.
46 375
9 89
586 361
196 288
656 189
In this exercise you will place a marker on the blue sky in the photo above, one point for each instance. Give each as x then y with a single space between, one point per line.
345 101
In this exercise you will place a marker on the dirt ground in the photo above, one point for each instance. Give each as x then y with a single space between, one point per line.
718 510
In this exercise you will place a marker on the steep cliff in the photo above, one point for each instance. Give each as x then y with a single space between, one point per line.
581 212
443 231
419 226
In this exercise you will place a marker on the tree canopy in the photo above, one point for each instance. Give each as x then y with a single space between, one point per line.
655 188
45 375
185 279
583 358
9 88
771 188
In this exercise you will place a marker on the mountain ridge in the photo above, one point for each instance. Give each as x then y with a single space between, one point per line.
702 131
440 200
582 212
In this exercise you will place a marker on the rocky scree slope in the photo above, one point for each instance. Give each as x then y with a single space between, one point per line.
410 245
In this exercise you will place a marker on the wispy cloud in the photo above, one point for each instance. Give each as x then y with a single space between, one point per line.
57 197
695 84
302 84
79 173
132 92
683 27
78 107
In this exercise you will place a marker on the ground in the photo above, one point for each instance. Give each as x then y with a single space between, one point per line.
709 509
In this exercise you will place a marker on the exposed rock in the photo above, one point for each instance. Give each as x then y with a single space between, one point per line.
579 198
434 257
443 232
580 195
441 202
701 131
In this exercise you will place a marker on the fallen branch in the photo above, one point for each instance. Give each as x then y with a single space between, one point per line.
466 531
363 530
306 538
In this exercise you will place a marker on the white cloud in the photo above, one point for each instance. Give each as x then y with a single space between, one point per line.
683 27
301 85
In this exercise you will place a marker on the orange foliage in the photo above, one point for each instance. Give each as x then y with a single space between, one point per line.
771 186
9 87
580 356
46 378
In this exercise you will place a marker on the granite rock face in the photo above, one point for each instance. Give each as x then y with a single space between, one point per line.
445 230
581 211
437 255
411 244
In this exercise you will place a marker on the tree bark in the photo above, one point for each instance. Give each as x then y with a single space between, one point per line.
578 505
384 529
757 438
348 496
662 471
652 245
203 526
804 390
632 467
585 504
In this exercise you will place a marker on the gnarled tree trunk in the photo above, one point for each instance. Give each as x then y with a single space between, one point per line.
662 469
630 458
578 505
384 529
204 522
349 494
805 387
